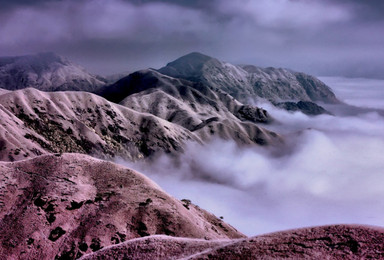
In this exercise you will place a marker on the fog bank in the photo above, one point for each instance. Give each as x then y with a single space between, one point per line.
331 173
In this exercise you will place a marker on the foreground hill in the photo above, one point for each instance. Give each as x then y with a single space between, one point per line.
326 242
64 206
47 72
34 123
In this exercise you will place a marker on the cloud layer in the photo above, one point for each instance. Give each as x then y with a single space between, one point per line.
332 173
320 37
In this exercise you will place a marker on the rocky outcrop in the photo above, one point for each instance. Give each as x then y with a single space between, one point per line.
65 206
47 72
253 114
307 107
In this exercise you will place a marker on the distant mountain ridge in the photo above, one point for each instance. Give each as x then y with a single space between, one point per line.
46 71
250 82
51 72
247 83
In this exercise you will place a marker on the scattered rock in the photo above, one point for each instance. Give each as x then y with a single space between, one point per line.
75 205
56 234
95 245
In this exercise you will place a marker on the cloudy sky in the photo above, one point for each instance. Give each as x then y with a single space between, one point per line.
327 37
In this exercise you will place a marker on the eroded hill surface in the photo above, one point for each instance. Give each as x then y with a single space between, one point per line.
65 206
200 109
35 123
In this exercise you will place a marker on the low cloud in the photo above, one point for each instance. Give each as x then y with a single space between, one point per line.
332 173
361 92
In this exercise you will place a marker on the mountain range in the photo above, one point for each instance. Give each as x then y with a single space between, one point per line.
146 112
247 84
60 200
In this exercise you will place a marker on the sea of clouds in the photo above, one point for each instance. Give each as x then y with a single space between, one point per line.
330 171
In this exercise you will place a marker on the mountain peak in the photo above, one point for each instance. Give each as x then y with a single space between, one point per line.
188 65
193 57
193 60
243 82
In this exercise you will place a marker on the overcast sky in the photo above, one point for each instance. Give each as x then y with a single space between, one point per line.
324 37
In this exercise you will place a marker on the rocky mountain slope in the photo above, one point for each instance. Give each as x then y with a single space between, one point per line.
248 83
194 106
47 72
34 123
326 242
286 85
64 206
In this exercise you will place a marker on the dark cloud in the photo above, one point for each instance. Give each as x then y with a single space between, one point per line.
187 3
366 10
199 4
5 4
321 37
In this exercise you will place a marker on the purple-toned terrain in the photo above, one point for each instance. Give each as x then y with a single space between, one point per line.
62 196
